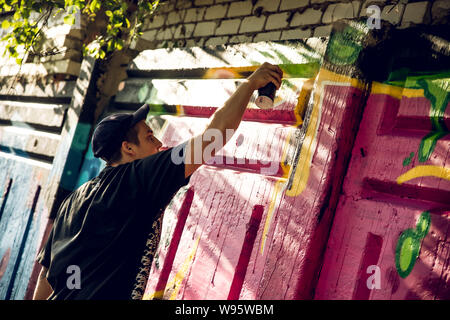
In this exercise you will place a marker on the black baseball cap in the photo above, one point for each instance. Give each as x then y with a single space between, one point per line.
111 131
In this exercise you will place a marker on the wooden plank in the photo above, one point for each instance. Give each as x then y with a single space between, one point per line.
38 90
206 93
49 115
20 225
38 143
377 201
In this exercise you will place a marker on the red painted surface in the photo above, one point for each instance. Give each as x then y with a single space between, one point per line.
374 205
222 253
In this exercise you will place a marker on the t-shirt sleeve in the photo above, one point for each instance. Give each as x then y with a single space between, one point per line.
163 174
44 255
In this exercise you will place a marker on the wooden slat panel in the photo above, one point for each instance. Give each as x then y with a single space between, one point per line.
21 224
50 115
62 90
207 93
386 192
27 140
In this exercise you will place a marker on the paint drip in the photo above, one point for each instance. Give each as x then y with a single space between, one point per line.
266 95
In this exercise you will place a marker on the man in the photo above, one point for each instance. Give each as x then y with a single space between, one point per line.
103 228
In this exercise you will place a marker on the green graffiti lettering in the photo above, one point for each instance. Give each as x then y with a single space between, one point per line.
343 48
408 160
408 245
437 91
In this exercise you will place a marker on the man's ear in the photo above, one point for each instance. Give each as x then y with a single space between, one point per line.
127 148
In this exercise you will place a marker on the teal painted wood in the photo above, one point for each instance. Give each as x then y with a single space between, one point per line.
91 167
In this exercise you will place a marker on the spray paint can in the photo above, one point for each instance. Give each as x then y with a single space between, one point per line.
266 95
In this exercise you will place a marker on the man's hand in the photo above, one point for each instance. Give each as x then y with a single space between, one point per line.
264 74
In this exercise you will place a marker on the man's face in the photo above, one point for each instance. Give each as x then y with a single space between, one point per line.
148 143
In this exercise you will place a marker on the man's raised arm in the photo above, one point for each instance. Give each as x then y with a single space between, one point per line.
227 118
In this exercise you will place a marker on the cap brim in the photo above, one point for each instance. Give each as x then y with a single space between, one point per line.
140 114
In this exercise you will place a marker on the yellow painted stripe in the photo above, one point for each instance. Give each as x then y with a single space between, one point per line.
425 171
177 279
382 88
395 91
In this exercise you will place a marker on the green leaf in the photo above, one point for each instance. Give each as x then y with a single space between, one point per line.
109 13
19 61
69 19
5 24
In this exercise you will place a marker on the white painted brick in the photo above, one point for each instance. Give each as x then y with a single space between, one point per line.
175 17
277 21
241 8
149 35
415 12
203 2
240 39
184 31
322 31
204 29
309 16
356 7
157 22
165 34
268 5
194 14
216 12
295 34
216 41
228 27
195 43
339 11
293 4
165 7
252 24
267 36
392 13
183 4
322 1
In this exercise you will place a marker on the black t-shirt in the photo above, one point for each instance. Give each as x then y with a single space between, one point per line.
102 228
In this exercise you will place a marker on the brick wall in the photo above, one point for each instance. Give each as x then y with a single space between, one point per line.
187 23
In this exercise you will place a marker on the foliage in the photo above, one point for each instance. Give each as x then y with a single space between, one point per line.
29 18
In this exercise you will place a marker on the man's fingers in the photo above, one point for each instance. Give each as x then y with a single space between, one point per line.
274 67
276 78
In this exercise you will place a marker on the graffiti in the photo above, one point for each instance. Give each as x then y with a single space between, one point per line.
174 285
438 92
344 47
408 160
424 171
409 243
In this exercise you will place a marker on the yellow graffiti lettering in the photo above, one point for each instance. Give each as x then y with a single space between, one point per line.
175 283
424 171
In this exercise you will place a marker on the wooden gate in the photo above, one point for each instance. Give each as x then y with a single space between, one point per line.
390 236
